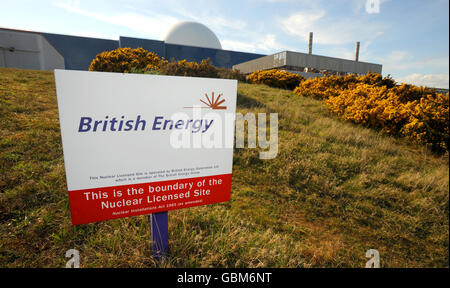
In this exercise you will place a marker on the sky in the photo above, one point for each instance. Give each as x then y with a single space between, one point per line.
410 38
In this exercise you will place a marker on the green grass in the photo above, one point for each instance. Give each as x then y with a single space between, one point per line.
334 191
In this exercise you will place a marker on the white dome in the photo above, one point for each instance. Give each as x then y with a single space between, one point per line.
192 34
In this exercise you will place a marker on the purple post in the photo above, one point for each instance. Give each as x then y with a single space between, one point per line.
160 234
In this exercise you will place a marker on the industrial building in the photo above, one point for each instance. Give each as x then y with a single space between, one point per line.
309 65
29 51
187 40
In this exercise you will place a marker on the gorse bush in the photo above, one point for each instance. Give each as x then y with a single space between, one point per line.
324 87
126 59
276 78
321 88
417 113
203 69
374 79
429 121
184 68
226 73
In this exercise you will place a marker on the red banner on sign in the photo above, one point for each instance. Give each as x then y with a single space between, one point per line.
92 205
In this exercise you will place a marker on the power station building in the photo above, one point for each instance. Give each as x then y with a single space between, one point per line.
187 40
309 65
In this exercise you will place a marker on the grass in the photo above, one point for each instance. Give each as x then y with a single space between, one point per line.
334 191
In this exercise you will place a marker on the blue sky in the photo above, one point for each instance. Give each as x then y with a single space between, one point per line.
410 38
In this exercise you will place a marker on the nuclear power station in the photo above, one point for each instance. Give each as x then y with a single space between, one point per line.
186 40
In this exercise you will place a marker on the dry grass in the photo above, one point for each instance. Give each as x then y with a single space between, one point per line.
334 191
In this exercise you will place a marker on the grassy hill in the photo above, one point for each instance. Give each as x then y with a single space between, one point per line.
334 191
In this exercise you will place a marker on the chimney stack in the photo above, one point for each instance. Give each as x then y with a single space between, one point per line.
357 52
310 43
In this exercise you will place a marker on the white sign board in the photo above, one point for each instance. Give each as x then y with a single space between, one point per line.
138 144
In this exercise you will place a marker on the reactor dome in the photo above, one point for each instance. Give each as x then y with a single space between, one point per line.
192 34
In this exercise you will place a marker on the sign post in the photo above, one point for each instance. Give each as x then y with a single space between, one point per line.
160 234
138 144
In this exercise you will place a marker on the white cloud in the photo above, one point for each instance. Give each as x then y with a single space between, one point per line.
400 60
330 30
429 80
217 23
269 43
398 56
234 45
150 25
265 44
301 23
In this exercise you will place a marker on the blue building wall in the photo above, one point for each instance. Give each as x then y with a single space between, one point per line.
78 52
220 58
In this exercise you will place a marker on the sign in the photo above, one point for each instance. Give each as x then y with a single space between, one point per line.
139 144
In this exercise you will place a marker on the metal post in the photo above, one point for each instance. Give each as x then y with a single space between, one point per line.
160 234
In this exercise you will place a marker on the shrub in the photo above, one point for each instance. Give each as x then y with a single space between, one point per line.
145 71
331 86
417 113
369 105
184 68
320 88
429 121
203 69
375 79
276 78
125 59
226 73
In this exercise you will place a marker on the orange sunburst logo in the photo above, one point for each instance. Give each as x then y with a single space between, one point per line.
213 103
